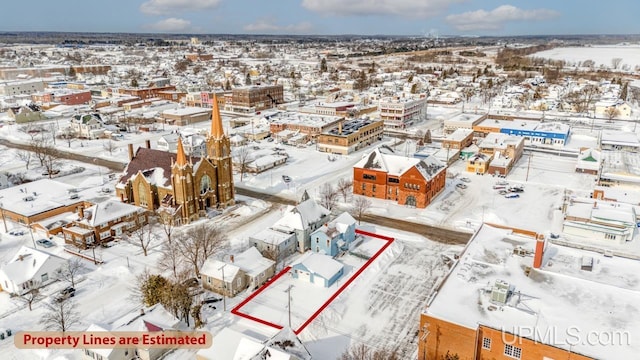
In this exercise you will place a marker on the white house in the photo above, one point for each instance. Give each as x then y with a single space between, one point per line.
30 269
152 319
89 126
317 269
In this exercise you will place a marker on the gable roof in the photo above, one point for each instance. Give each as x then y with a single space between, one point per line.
147 161
320 264
26 263
102 213
397 165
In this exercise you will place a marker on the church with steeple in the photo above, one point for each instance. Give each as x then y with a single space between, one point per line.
181 188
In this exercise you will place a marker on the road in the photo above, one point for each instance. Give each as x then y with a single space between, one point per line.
435 233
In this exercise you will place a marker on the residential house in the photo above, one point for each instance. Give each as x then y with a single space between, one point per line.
275 244
87 126
248 269
102 222
23 114
317 269
154 319
335 236
194 144
30 269
618 108
302 219
407 180
240 343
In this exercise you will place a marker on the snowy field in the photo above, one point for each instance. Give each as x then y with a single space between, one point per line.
601 55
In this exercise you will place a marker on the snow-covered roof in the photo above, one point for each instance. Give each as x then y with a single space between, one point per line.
559 298
396 165
26 263
614 137
155 318
252 262
230 344
186 111
319 264
342 222
37 197
214 268
101 213
271 236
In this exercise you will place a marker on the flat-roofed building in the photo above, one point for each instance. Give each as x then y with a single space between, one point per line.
249 99
311 125
350 136
400 112
511 288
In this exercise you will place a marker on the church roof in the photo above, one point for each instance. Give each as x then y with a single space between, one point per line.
147 161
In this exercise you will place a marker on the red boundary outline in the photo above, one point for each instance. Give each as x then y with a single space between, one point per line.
236 310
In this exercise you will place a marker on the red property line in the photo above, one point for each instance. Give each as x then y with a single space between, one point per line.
351 279
236 310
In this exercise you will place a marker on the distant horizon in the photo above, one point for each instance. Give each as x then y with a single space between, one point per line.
491 18
2 32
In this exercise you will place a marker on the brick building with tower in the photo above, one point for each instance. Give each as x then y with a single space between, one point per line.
181 188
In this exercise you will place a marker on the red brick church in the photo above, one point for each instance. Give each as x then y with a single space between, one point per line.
182 188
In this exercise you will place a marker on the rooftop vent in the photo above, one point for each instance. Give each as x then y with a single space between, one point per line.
500 292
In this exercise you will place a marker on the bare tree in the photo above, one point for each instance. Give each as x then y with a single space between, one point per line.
344 187
328 196
60 315
273 253
360 206
142 236
611 112
24 156
199 242
615 63
241 159
51 159
71 270
32 296
109 146
171 259
366 352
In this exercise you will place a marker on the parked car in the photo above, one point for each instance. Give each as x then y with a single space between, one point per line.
512 196
502 182
503 192
461 186
45 243
465 179
286 179
16 232
499 187
66 293
516 189
210 300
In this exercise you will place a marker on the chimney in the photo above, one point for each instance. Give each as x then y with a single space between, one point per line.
81 212
148 143
141 312
231 258
130 146
340 128
537 257
595 204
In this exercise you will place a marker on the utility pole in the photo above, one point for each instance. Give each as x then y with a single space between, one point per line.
4 221
224 287
289 302
529 165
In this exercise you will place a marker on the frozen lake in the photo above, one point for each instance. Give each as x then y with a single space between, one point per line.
601 55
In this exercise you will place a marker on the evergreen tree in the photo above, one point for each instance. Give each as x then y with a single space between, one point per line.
323 65
247 79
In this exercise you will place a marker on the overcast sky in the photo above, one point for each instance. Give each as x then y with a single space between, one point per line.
366 17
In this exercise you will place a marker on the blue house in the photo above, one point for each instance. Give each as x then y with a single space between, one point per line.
334 237
317 269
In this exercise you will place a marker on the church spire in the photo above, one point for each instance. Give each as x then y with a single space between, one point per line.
216 120
181 159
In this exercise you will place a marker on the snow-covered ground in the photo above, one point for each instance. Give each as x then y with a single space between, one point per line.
600 54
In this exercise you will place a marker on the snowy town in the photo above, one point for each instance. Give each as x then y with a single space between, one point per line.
363 198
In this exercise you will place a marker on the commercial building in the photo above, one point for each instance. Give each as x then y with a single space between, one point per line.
249 99
534 132
400 112
296 123
512 294
408 181
350 136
